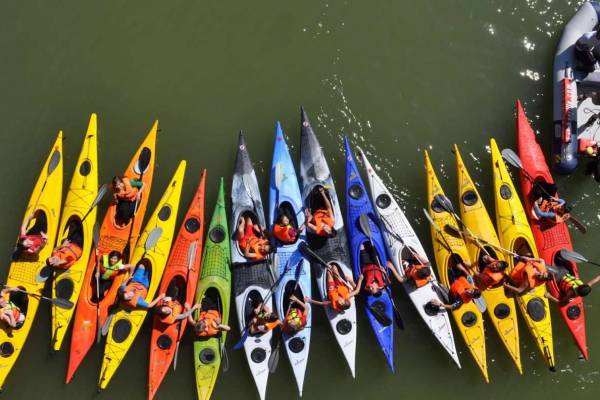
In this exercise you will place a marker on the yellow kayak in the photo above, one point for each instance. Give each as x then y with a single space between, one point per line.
82 193
44 204
467 317
125 323
500 309
515 235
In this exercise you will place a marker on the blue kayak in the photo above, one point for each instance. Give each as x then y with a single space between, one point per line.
289 266
379 307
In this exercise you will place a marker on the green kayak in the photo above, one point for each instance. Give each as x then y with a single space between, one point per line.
214 290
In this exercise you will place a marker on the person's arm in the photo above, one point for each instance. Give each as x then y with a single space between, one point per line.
299 302
550 297
518 290
594 281
356 291
191 319
320 303
223 327
462 268
26 224
396 274
543 214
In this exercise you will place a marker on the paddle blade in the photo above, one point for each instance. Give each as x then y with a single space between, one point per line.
445 203
453 231
512 158
274 359
365 227
278 175
572 256
578 224
101 192
442 293
62 303
192 254
240 343
153 238
431 221
106 325
96 233
307 253
224 360
380 316
54 161
143 161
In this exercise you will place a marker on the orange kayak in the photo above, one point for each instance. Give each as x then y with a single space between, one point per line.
179 282
112 237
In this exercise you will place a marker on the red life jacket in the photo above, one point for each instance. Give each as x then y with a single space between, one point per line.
37 243
373 274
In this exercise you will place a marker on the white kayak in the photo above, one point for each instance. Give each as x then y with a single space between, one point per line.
401 242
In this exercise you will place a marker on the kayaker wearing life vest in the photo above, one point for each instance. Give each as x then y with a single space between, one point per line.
126 193
209 322
340 289
133 292
296 317
547 206
491 272
563 285
252 240
31 241
70 249
462 290
528 274
263 321
375 276
10 313
321 221
109 267
170 310
283 229
417 269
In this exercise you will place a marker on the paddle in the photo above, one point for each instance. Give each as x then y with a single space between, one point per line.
573 256
52 164
190 261
224 356
453 230
480 302
307 253
363 222
151 241
274 357
96 239
511 157
139 168
58 302
101 192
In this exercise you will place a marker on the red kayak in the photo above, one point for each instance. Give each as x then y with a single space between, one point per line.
179 282
112 237
550 238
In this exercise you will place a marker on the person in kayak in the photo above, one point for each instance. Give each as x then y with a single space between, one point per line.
170 310
462 289
109 267
70 250
32 241
10 314
417 269
252 240
135 289
564 286
375 276
126 194
296 317
283 229
263 320
340 290
587 51
209 322
321 221
528 274
547 206
491 272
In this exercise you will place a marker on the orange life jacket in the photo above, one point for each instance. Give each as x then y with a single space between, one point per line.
339 291
320 219
69 253
256 245
140 292
210 317
284 233
373 274
413 274
528 271
13 309
129 193
459 288
490 278
176 309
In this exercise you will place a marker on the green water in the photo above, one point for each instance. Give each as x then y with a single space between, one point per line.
397 77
